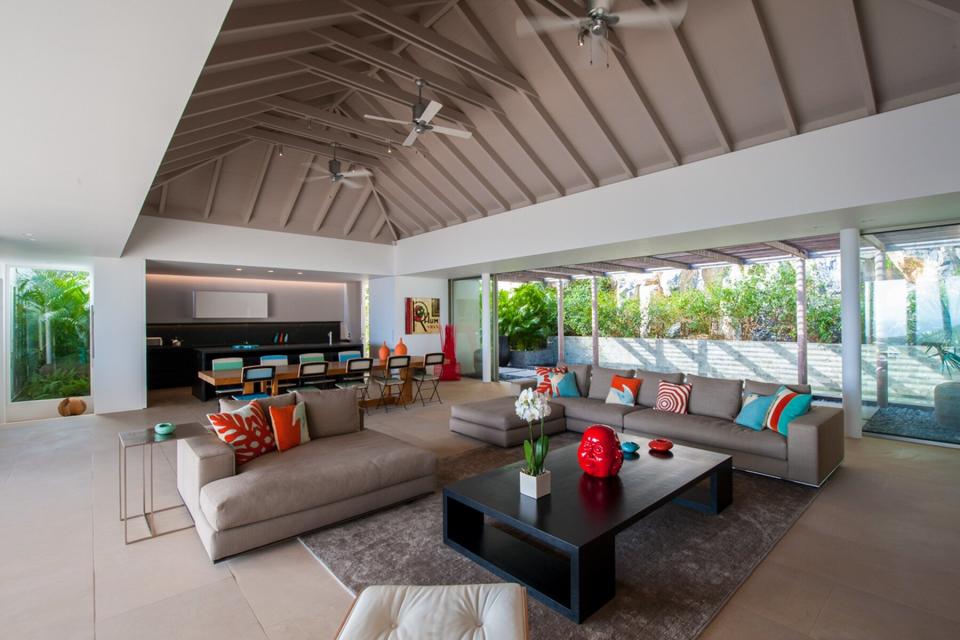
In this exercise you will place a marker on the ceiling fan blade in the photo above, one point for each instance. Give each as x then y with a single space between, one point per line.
349 184
411 138
357 173
457 133
393 120
544 24
662 15
432 109
317 177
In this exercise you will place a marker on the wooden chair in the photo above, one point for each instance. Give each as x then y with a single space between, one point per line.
427 375
389 380
250 376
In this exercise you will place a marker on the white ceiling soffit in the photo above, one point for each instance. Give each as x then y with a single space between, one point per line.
92 93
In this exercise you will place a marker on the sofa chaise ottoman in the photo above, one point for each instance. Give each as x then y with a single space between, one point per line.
496 421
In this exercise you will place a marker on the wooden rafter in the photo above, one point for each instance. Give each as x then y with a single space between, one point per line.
300 179
563 271
232 78
946 8
608 267
300 14
407 191
305 130
164 188
326 204
212 188
220 116
384 218
783 96
257 186
209 133
388 196
250 93
859 50
349 125
586 102
475 170
651 261
176 169
706 98
717 256
789 249
358 207
310 146
429 40
225 56
200 147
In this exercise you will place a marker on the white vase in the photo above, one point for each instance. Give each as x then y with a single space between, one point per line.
535 486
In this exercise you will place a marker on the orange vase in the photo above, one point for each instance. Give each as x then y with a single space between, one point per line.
400 349
384 352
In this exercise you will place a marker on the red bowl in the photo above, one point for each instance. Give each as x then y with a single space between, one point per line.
661 444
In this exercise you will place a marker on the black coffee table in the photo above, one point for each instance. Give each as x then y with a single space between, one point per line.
562 546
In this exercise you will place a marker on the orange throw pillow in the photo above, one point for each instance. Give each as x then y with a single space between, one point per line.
246 430
290 425
624 391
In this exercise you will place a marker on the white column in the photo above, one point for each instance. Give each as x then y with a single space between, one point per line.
594 321
561 349
850 329
485 338
802 321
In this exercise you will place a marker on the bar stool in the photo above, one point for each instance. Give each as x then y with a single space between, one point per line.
389 381
312 376
424 376
357 377
252 375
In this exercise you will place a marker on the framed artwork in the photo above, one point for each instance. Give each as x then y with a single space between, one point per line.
422 315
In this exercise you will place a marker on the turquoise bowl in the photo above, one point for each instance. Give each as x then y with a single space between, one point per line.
164 428
630 447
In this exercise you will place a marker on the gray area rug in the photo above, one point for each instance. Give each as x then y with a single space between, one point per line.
911 422
675 569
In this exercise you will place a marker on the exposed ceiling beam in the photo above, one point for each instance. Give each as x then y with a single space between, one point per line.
250 93
216 118
623 158
946 8
224 56
859 51
384 59
202 135
299 179
358 208
305 130
651 261
457 186
563 272
327 203
175 169
570 9
419 223
521 276
713 113
418 35
212 188
257 186
210 83
384 218
387 171
311 146
480 175
717 256
358 127
608 267
162 208
198 148
783 96
478 27
875 242
789 249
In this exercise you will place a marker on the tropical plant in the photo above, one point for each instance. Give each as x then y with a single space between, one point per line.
527 315
947 354
532 406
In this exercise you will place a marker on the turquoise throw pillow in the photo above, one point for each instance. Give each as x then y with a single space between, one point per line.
565 385
754 411
787 406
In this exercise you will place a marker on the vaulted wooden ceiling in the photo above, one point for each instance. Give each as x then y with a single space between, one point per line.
295 76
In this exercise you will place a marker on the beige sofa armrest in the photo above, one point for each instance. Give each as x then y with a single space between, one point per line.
815 444
200 461
517 386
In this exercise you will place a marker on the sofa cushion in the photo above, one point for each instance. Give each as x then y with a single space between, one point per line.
282 400
714 397
710 432
499 413
582 371
600 379
596 411
770 388
317 473
330 412
651 384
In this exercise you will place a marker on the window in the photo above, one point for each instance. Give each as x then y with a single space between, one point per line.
50 334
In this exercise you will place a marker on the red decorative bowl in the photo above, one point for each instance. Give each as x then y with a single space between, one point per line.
661 444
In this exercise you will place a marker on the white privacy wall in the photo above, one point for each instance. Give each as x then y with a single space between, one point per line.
387 312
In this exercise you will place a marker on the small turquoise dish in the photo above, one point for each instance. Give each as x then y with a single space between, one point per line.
630 447
164 428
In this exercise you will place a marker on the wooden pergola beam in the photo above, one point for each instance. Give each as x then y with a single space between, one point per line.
718 256
402 27
783 96
257 185
358 207
564 271
608 267
859 51
652 261
789 249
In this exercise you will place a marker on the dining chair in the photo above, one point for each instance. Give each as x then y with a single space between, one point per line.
256 374
312 376
312 357
344 356
277 361
428 375
357 377
227 364
392 378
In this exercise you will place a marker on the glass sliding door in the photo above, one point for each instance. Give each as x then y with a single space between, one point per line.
465 316
911 331
49 341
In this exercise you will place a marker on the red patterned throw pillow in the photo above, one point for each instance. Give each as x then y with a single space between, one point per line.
245 430
543 379
673 398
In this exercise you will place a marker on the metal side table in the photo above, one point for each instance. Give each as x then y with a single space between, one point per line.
145 439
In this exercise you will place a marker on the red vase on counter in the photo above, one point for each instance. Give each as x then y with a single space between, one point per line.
384 352
400 349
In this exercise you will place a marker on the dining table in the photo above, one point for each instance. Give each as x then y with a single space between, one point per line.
291 372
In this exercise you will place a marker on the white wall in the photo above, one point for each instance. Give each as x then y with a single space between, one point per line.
814 183
170 298
387 312
119 335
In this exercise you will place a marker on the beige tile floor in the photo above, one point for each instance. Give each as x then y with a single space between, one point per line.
876 556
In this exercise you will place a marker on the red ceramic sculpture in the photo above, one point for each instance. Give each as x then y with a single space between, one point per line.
599 454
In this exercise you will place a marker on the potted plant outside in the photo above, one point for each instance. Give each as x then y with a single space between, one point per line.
532 406
946 395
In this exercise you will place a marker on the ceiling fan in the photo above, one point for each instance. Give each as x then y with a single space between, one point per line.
599 21
422 115
336 175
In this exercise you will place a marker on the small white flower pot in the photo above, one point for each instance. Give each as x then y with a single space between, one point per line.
535 486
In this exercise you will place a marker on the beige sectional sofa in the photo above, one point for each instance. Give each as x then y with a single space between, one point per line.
809 453
342 472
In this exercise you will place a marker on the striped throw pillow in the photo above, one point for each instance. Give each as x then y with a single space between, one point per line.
672 398
787 405
544 385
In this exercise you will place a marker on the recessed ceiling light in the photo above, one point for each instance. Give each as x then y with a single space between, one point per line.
269 270
299 273
238 269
